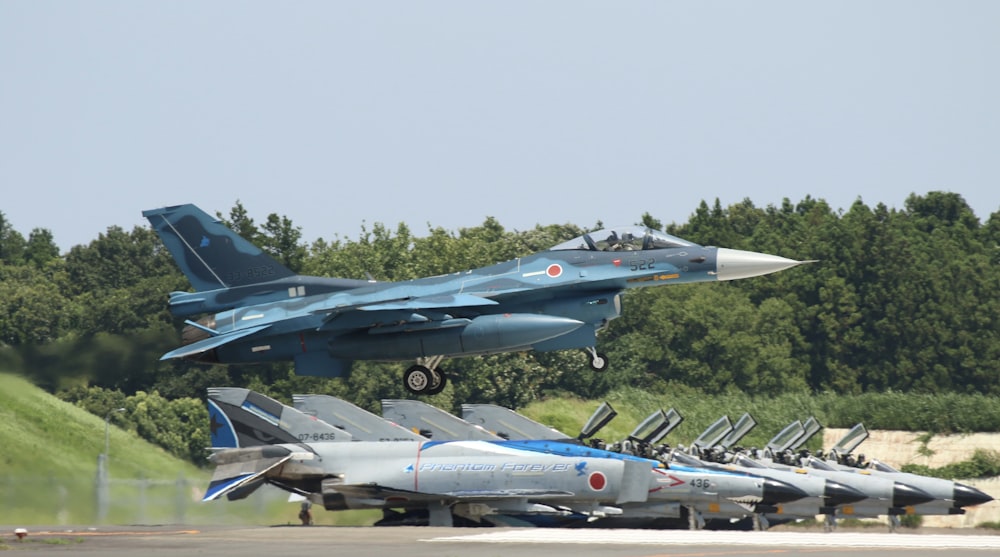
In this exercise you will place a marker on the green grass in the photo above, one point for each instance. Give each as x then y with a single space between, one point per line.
48 468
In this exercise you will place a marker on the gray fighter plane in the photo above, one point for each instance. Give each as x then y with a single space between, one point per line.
258 440
684 492
822 496
950 497
256 310
884 496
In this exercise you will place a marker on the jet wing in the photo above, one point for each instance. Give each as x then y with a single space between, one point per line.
342 303
211 342
443 301
239 468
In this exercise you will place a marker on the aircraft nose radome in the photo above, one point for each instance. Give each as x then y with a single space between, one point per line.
837 494
906 495
732 264
777 491
967 496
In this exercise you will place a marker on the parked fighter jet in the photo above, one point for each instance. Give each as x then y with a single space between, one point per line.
883 496
950 497
258 310
258 440
690 493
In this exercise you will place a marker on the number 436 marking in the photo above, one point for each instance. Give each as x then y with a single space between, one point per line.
701 483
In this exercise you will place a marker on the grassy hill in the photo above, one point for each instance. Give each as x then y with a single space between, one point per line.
48 470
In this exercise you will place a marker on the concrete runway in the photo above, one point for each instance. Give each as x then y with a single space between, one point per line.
445 542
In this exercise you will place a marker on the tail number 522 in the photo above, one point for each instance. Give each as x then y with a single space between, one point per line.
641 264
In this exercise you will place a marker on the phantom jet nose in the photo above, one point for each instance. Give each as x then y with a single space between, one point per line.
777 491
733 264
906 495
967 496
837 494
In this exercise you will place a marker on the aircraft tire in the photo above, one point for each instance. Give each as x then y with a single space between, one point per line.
438 382
599 362
418 379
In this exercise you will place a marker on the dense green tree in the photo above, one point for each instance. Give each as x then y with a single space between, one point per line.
41 248
12 243
32 307
899 299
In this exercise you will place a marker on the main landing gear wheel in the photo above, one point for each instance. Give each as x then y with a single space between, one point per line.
418 379
422 380
598 361
438 382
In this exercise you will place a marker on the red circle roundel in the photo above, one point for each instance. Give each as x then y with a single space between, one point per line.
554 270
597 481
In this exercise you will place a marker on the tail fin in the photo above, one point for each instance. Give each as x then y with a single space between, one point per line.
210 255
360 423
438 424
243 418
507 423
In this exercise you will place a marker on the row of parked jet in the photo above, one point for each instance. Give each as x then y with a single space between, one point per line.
493 466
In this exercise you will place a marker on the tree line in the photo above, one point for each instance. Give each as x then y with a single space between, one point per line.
901 300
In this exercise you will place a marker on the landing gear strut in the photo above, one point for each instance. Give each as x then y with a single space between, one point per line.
425 378
598 361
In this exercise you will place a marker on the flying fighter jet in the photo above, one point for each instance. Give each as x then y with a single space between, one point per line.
257 310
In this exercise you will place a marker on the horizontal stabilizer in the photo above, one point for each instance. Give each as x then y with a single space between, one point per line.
212 342
239 467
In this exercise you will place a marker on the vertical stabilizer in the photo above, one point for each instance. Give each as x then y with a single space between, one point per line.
438 424
209 254
360 423
243 418
508 424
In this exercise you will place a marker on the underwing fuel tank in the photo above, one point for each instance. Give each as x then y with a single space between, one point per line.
481 335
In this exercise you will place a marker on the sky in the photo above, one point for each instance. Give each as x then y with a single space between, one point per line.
340 115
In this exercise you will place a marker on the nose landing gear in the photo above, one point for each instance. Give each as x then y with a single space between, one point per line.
598 361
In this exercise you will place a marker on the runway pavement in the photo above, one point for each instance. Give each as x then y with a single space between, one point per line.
445 542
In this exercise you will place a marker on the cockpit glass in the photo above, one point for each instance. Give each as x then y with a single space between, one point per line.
623 238
820 465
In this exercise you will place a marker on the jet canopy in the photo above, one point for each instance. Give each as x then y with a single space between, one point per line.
623 238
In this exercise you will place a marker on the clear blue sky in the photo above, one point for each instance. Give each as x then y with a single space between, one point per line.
340 113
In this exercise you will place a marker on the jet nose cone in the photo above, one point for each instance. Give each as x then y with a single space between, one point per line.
732 264
967 496
837 494
906 495
777 491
